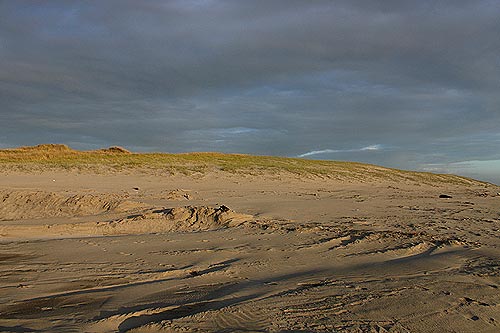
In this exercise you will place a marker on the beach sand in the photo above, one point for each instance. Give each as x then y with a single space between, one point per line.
84 251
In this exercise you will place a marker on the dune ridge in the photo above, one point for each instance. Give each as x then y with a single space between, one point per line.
62 157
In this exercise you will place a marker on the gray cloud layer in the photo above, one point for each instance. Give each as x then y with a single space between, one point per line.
419 80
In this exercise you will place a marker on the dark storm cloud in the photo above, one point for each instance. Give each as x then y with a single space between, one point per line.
419 80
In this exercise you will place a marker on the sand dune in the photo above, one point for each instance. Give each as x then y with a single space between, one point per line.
135 251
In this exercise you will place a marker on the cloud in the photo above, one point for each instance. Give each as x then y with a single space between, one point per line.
333 151
371 148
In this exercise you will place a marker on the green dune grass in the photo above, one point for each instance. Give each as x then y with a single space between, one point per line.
53 157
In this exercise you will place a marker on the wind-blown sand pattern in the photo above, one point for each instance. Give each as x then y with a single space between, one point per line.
141 250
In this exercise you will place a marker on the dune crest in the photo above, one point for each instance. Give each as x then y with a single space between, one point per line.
56 157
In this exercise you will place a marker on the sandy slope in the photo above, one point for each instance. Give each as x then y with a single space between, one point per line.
226 253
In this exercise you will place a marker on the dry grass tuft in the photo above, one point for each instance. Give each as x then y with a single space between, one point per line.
46 147
116 150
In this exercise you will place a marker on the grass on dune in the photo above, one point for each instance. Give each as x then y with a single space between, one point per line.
52 156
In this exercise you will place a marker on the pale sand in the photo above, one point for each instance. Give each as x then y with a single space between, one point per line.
106 253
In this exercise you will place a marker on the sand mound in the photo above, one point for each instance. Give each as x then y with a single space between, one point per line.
26 204
188 218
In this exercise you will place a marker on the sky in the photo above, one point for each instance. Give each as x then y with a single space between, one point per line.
405 84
